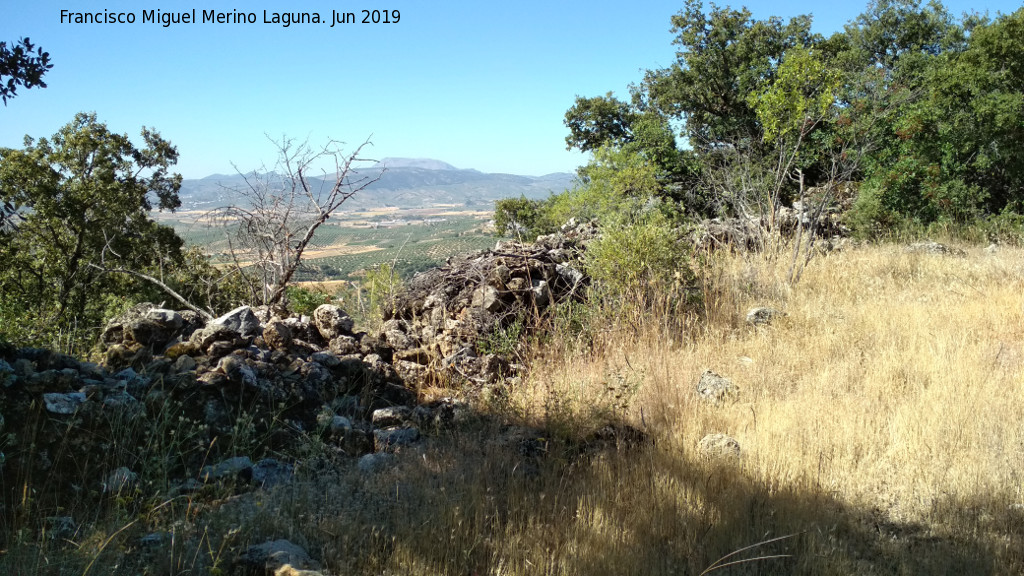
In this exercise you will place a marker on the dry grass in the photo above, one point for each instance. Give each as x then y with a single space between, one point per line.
880 422
881 418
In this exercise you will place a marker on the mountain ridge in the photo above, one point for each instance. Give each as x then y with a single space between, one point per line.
406 183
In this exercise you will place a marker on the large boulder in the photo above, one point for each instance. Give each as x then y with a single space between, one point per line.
144 325
332 322
241 320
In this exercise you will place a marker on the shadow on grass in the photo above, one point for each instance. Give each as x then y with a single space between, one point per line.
488 498
503 500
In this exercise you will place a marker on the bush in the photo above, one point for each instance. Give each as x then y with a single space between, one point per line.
642 268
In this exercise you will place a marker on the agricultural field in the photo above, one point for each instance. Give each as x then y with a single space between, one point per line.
347 246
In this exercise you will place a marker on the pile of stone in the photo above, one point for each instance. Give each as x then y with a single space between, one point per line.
437 325
167 376
930 247
749 233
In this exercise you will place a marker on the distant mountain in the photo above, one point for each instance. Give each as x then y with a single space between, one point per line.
425 163
406 183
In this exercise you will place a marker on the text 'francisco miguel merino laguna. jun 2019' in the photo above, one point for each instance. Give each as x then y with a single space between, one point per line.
194 16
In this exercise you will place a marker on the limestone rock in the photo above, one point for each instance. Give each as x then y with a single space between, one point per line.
719 446
120 479
934 248
715 388
762 316
268 473
391 416
388 439
239 466
241 320
376 462
332 322
67 403
277 335
273 556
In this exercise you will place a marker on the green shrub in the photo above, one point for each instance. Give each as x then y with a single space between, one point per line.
305 300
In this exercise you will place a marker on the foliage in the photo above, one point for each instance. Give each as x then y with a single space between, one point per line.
382 283
925 109
519 217
304 301
504 340
722 57
638 263
81 209
802 93
23 64
618 183
595 122
951 151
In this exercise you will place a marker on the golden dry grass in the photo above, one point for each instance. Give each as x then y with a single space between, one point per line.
882 417
880 425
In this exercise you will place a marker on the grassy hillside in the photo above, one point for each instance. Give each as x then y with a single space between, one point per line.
878 425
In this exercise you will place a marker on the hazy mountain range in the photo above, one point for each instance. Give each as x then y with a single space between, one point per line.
405 183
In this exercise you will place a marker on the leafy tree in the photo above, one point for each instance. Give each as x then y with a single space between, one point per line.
722 58
82 201
518 217
20 66
948 149
594 122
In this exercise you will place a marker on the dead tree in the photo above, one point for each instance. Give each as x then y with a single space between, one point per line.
282 208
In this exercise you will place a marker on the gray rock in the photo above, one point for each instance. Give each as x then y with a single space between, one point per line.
719 446
715 388
236 369
60 527
571 275
541 293
212 334
125 402
120 479
241 320
268 473
232 467
934 248
277 335
391 416
7 376
165 317
154 539
763 316
487 297
67 403
275 557
376 462
397 339
24 368
184 363
326 359
344 345
339 424
332 322
388 439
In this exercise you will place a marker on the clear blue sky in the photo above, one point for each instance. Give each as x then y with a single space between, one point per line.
477 84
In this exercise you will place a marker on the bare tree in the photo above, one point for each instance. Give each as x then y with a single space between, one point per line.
282 208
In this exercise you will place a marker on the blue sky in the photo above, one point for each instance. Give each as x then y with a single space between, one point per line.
477 84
